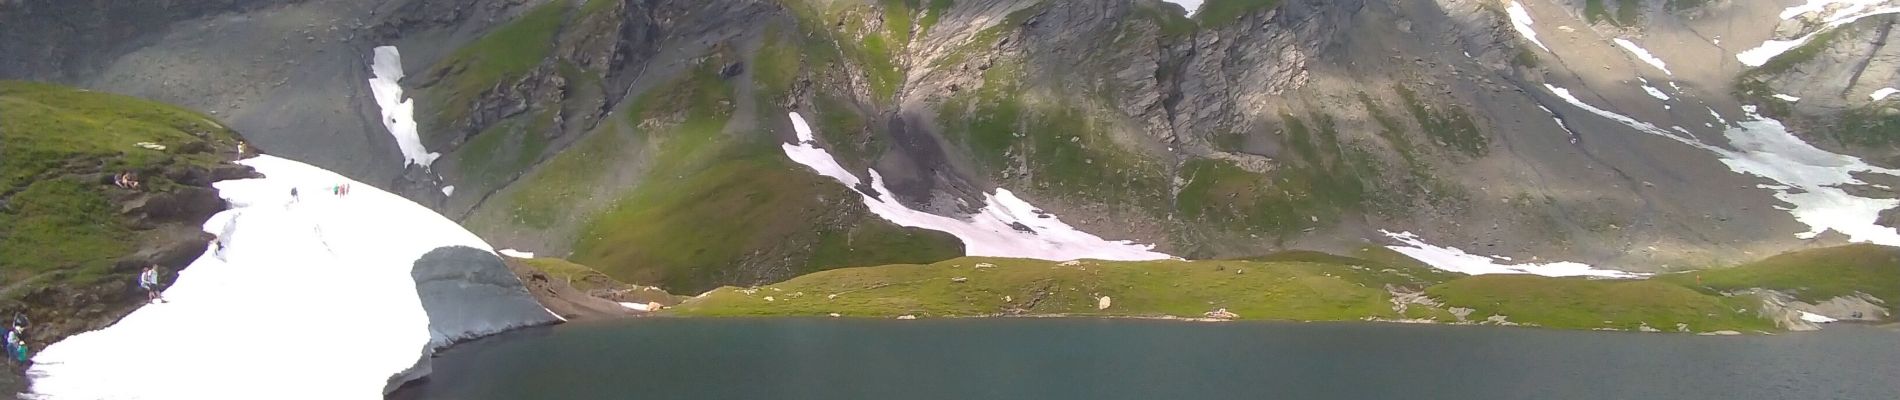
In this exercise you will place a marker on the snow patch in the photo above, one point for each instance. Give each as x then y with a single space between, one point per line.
399 114
1806 177
1653 91
1816 318
1770 49
448 190
1821 6
516 253
1455 260
1786 98
1006 226
1643 54
1190 5
320 297
637 306
1560 123
1883 93
1521 20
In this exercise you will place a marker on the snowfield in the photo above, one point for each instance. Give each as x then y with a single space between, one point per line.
399 114
1852 10
989 233
1455 260
1643 54
1808 178
1882 94
318 297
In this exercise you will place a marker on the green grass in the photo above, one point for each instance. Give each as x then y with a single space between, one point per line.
1810 275
549 192
1218 13
1595 11
846 133
841 28
713 201
1577 303
504 54
57 145
873 241
61 224
776 67
1449 125
1220 193
1629 12
51 129
1868 126
932 14
1255 290
1310 286
1328 180
504 149
1066 149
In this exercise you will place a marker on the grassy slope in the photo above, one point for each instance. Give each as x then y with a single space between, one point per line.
1310 286
1587 304
1066 150
1810 275
505 54
713 200
1281 290
51 218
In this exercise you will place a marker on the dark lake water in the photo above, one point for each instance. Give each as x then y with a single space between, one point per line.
1131 359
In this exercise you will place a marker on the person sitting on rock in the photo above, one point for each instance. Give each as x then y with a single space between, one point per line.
129 180
148 280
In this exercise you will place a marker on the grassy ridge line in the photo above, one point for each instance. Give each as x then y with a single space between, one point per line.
56 146
1810 275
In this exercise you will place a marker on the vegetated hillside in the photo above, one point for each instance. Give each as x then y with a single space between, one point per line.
1321 287
73 239
641 136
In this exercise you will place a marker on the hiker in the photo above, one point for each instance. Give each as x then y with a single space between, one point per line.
16 347
20 321
293 195
340 190
148 280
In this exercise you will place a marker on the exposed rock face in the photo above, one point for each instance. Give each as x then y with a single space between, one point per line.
469 291
1307 124
60 40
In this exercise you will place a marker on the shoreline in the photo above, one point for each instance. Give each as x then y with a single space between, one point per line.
1202 320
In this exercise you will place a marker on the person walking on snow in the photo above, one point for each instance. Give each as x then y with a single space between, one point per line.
148 280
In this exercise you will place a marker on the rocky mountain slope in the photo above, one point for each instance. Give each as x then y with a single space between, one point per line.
641 136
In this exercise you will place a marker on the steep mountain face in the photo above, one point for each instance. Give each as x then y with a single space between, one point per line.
641 136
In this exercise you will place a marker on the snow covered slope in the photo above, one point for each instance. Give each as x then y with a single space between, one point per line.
319 296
